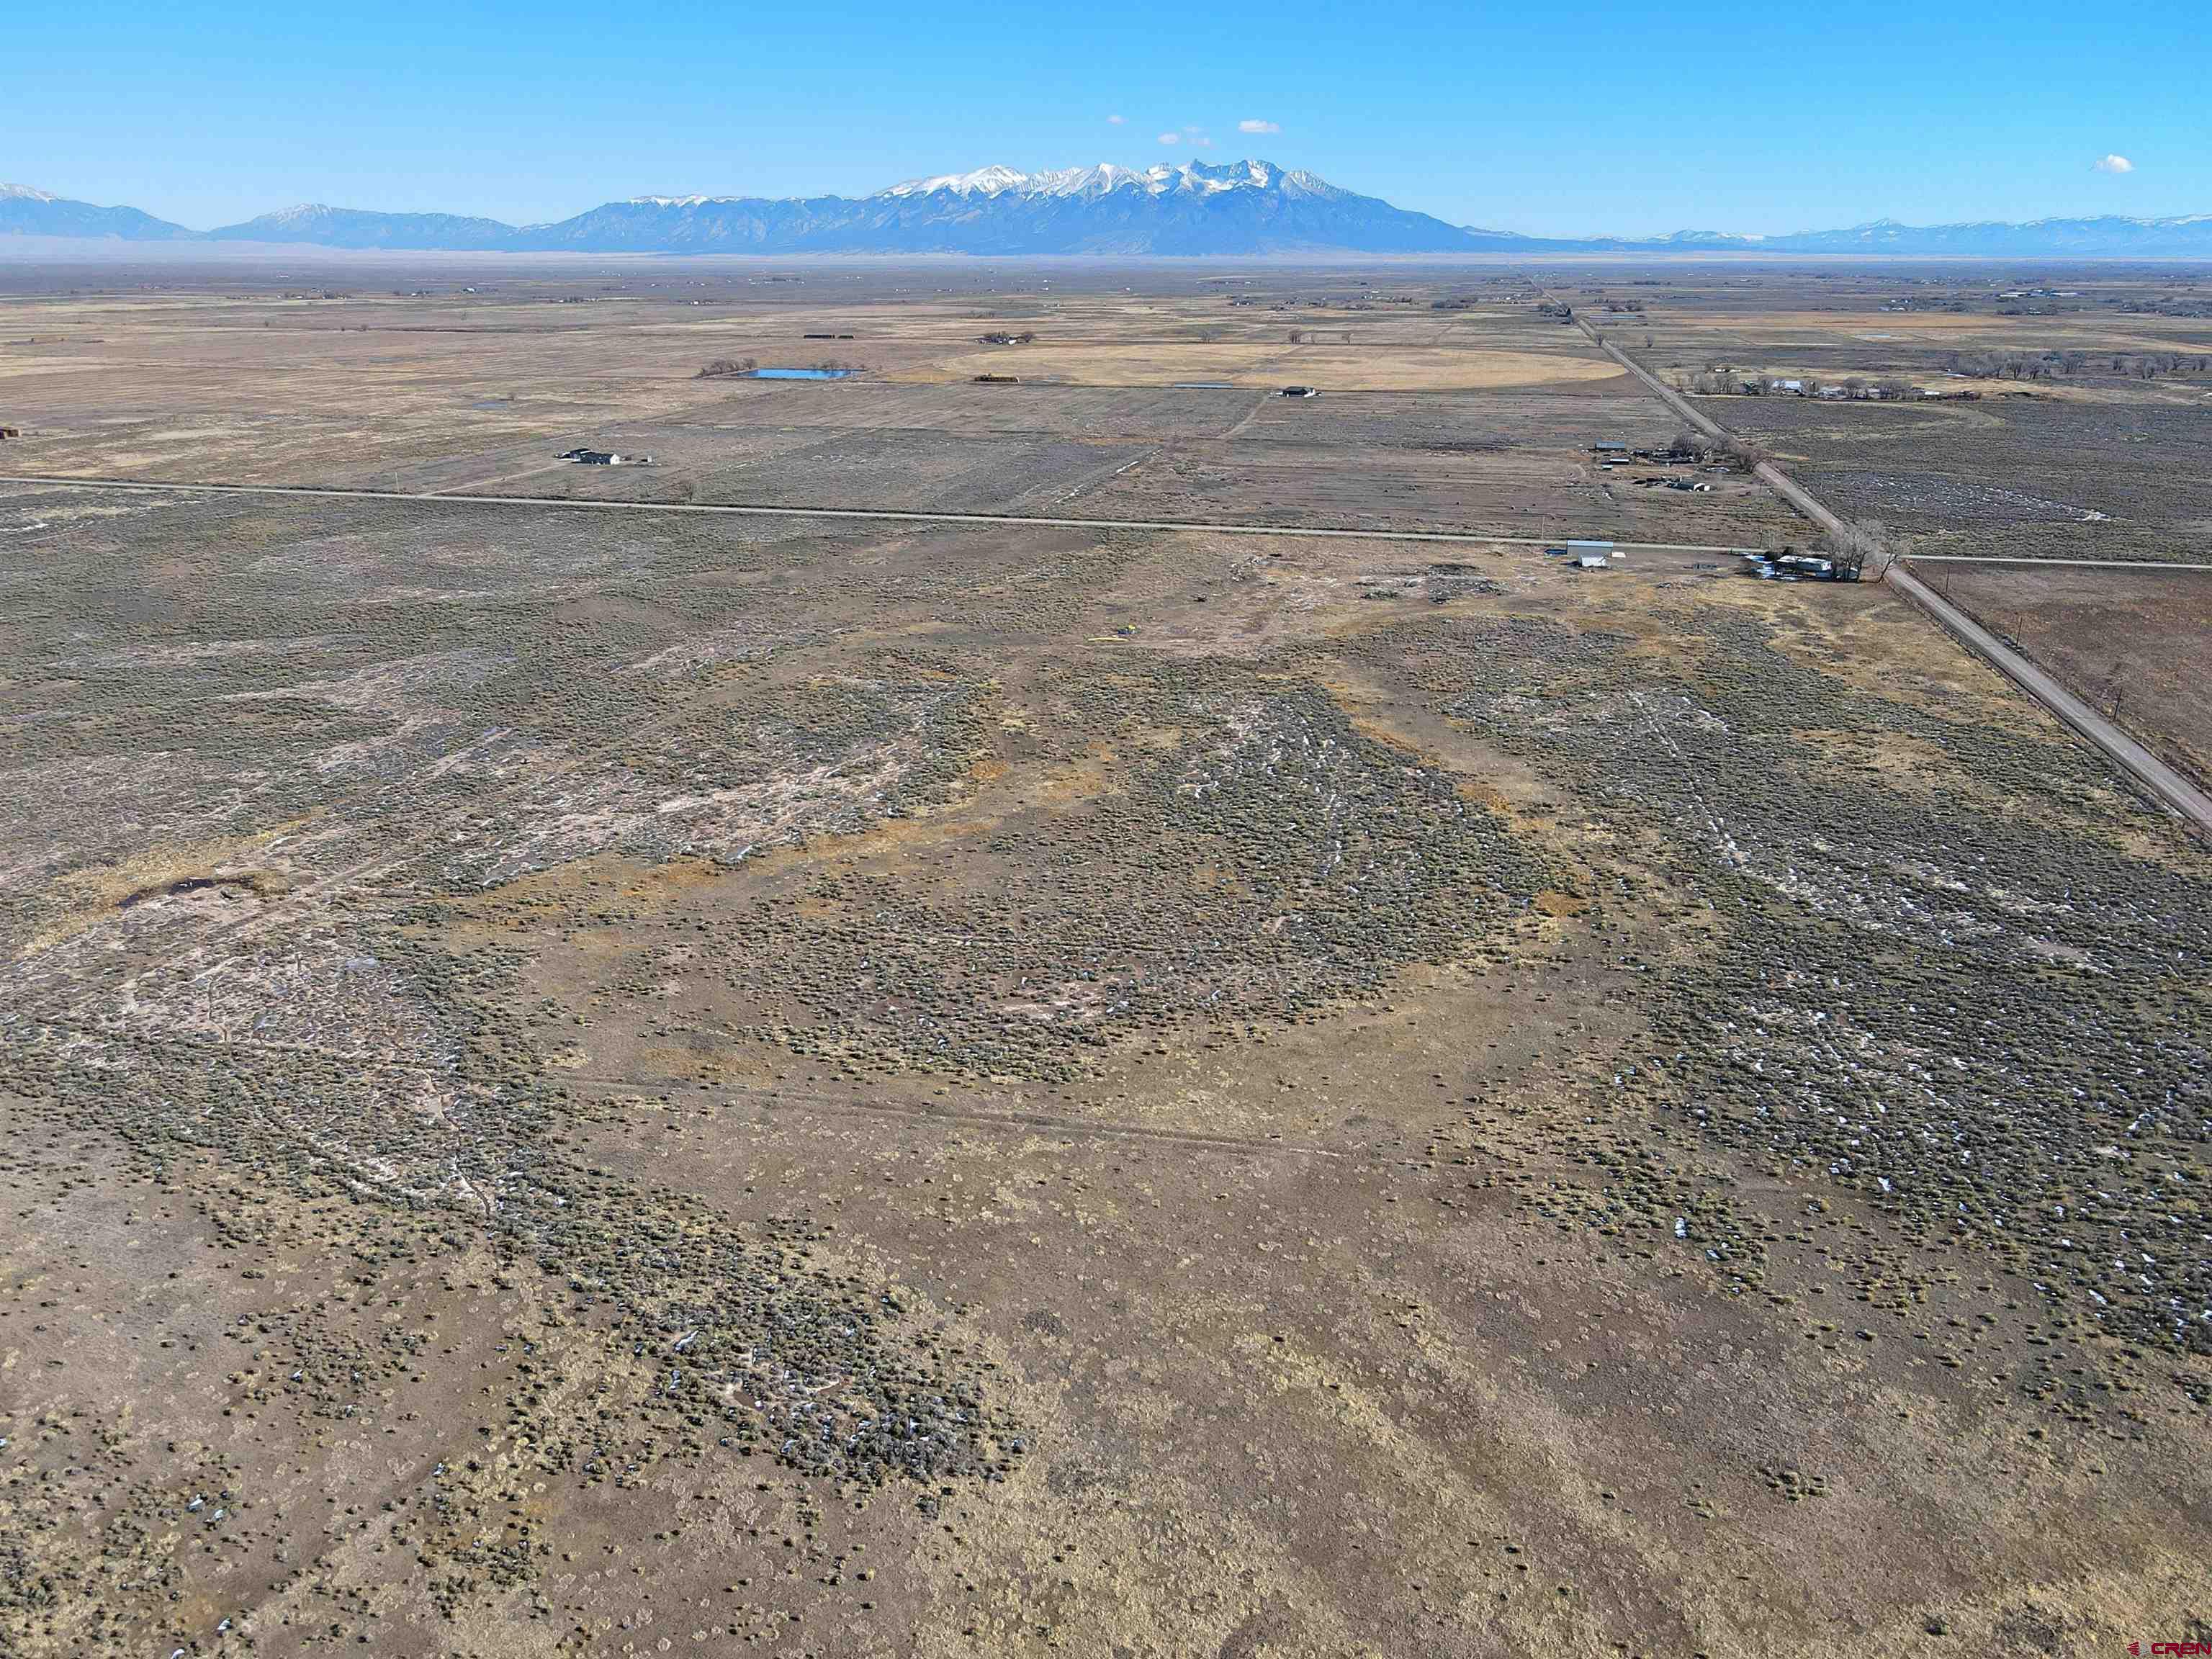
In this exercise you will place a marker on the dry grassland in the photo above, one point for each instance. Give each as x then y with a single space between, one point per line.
1387 368
582 1083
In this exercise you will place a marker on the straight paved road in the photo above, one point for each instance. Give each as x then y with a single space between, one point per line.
866 514
2160 781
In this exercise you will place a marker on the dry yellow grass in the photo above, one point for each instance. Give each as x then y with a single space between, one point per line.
1332 367
99 888
1963 330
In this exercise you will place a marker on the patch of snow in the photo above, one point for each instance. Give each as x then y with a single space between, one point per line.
1083 182
1196 177
994 180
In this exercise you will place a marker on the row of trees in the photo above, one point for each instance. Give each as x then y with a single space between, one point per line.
1721 381
1724 380
1725 451
2064 365
724 368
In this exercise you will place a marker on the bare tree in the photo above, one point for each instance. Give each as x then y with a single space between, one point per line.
1727 450
1862 549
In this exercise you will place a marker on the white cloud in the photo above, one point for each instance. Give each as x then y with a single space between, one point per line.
1116 120
1198 138
2115 164
1257 127
1171 138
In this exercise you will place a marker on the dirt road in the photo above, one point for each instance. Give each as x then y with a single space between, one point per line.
866 513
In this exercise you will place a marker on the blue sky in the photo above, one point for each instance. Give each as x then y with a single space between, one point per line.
1550 119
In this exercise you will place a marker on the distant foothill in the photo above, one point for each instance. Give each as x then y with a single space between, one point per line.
1194 209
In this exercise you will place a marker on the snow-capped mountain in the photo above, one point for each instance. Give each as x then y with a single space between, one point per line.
1247 207
984 182
28 212
1238 207
1105 177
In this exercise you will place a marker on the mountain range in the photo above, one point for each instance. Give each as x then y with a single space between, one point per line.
1250 207
28 212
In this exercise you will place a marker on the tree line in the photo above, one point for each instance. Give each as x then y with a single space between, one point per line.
2066 365
1724 380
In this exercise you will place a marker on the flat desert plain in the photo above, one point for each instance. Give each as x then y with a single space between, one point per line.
1180 1043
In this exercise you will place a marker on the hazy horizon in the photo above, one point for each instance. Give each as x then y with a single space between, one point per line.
1626 124
1592 232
